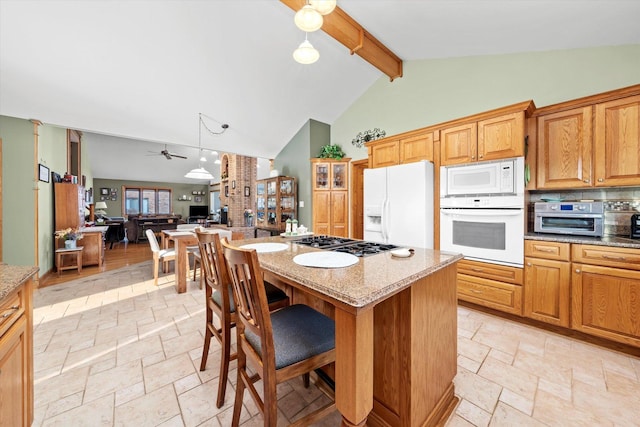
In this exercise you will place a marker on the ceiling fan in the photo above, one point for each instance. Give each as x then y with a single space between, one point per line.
169 155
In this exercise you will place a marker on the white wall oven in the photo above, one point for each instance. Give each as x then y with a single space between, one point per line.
482 211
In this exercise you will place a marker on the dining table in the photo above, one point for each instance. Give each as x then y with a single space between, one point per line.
395 324
182 239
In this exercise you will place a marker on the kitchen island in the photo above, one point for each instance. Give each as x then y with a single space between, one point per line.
396 330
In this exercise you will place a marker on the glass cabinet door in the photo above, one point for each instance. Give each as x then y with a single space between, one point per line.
286 187
321 176
339 176
260 188
271 188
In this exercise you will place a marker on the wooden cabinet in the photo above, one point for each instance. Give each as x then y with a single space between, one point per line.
330 196
564 149
406 148
617 142
547 284
276 201
606 292
594 145
16 358
493 138
69 205
93 243
490 285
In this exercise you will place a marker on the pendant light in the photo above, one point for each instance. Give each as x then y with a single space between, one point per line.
306 53
199 172
308 19
324 7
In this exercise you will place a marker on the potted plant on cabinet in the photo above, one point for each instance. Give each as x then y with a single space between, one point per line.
70 237
331 151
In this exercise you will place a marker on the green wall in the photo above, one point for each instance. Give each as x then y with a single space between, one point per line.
434 91
18 191
293 161
179 207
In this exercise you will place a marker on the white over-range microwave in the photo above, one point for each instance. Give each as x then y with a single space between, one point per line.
503 178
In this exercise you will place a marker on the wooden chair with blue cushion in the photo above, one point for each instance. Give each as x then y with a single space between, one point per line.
159 255
219 301
275 346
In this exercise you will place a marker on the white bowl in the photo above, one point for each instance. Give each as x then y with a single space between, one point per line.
401 253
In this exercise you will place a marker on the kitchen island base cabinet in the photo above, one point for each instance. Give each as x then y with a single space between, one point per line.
415 351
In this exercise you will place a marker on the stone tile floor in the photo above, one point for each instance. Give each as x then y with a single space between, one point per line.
115 350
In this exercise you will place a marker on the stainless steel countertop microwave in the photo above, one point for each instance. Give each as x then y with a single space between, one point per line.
573 218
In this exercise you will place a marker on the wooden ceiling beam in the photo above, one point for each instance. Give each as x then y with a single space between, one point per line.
342 27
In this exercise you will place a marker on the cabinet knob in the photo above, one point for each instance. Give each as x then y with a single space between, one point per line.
473 157
586 181
600 179
480 156
528 264
578 271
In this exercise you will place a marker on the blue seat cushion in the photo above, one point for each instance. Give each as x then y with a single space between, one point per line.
299 332
273 294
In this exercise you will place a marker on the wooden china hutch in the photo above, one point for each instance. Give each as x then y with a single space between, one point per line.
330 188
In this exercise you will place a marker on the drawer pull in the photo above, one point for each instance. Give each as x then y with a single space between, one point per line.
617 258
477 270
545 250
475 291
10 311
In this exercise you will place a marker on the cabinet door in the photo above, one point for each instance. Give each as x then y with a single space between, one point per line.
321 212
321 178
14 375
605 302
564 149
617 142
459 144
414 149
384 154
546 290
339 176
501 137
339 213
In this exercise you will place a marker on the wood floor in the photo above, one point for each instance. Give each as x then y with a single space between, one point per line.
122 254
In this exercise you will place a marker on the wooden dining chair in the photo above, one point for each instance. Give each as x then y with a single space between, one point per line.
219 301
275 346
159 255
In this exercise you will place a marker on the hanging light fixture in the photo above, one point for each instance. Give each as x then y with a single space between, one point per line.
202 157
308 19
324 7
199 172
306 53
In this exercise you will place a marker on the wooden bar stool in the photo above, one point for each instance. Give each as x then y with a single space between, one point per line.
62 252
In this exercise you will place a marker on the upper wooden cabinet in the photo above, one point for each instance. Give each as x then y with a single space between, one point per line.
69 205
564 149
493 138
617 142
590 142
405 148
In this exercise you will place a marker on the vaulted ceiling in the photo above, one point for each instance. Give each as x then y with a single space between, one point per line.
137 73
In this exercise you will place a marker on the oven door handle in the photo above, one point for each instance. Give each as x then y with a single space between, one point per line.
482 212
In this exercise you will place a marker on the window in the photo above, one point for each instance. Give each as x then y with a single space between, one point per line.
147 201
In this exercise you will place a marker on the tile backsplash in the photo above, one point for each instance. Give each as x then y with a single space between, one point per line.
619 204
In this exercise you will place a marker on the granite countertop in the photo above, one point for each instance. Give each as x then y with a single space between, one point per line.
371 280
617 241
12 276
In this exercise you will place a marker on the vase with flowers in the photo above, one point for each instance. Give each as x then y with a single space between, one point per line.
248 218
70 237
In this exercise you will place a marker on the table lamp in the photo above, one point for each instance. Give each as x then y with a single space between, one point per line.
100 211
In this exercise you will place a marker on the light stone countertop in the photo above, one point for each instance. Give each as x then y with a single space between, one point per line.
94 229
372 279
12 276
615 241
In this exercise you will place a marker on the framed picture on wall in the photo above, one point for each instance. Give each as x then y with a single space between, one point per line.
104 191
247 191
114 197
226 191
198 199
43 173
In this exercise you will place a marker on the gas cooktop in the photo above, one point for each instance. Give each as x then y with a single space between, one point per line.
358 248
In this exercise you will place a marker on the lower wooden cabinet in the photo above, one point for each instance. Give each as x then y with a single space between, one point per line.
547 282
331 213
491 285
606 302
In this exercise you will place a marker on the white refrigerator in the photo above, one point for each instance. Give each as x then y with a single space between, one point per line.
398 205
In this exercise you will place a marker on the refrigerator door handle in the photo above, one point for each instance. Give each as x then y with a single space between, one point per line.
385 220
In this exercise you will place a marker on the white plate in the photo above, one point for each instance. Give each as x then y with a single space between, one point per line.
266 247
326 259
401 253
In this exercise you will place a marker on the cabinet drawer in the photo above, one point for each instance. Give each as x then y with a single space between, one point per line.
606 256
11 308
491 271
490 293
547 250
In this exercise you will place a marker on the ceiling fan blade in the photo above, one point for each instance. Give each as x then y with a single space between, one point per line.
178 156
